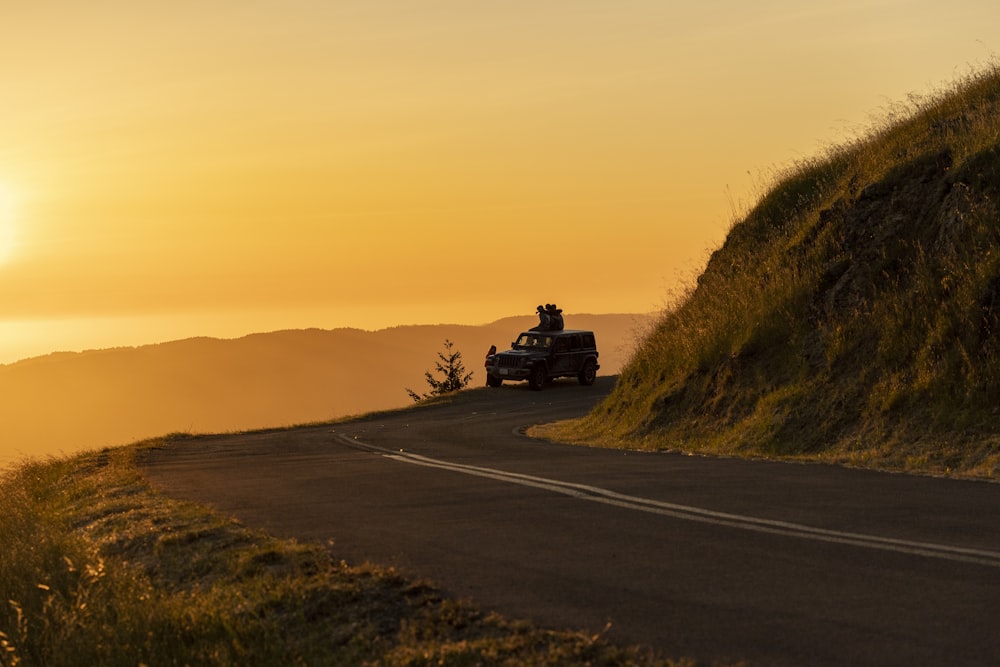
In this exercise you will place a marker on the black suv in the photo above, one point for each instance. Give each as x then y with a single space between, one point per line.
540 356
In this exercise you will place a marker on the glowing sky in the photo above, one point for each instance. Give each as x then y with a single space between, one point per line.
183 168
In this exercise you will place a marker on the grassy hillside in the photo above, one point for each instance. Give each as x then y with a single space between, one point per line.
852 315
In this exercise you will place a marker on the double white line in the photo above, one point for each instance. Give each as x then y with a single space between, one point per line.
688 513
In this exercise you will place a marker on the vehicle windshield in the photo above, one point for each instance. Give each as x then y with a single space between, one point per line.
533 341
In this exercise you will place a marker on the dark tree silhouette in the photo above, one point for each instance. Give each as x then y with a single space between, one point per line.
451 367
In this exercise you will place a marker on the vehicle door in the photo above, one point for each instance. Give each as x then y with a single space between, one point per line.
562 355
577 351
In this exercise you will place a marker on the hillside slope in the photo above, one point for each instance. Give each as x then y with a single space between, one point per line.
65 402
853 315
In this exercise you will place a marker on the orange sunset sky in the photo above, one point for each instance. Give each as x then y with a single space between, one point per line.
218 168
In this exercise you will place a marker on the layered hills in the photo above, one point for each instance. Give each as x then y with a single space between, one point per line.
64 402
852 315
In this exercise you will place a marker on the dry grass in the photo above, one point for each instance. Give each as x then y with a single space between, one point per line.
852 315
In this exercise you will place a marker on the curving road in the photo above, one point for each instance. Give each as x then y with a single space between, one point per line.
718 559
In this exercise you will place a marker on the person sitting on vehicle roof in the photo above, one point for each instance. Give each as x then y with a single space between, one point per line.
555 317
549 318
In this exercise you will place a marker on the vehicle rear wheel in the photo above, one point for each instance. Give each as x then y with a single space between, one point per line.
588 374
538 377
492 381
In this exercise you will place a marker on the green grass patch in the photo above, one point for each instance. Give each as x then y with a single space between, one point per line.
98 569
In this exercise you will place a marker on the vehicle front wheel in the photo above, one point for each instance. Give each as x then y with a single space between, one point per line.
538 377
492 381
588 374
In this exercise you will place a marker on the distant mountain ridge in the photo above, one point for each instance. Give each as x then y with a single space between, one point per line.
68 401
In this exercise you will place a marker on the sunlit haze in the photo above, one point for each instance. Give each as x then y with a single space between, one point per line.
192 168
7 223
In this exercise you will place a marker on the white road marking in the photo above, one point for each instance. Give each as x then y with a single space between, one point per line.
689 513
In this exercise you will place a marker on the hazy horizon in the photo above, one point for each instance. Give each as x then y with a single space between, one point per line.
61 404
34 339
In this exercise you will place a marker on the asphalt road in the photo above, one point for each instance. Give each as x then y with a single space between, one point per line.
717 559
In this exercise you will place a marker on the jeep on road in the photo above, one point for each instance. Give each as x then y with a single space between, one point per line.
541 356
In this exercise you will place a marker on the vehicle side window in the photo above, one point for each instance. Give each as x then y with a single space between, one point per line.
588 340
562 345
576 342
